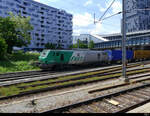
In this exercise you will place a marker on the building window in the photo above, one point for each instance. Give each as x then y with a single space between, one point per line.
37 44
18 1
24 12
42 44
26 4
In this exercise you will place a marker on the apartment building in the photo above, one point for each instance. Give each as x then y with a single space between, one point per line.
138 19
50 24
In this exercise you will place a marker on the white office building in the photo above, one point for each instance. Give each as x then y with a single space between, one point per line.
88 37
50 24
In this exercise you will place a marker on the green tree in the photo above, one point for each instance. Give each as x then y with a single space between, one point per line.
59 46
15 31
91 45
3 48
71 46
8 32
23 27
80 44
50 46
75 46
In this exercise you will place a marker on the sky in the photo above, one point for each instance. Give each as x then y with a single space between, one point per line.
83 15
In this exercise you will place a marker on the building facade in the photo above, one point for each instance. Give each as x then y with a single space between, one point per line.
138 19
51 25
135 40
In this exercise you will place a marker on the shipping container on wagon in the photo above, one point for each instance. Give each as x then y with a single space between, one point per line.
116 55
141 54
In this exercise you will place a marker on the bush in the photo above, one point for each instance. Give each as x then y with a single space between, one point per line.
3 48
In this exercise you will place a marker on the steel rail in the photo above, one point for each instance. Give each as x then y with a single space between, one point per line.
28 79
87 102
26 73
39 74
52 88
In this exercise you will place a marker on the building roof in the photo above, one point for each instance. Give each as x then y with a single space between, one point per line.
94 37
130 33
110 35
99 37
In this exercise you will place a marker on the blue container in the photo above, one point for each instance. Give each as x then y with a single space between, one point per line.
116 55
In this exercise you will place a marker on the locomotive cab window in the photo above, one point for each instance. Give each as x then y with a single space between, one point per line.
44 53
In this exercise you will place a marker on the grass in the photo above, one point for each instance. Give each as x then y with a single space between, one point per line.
19 62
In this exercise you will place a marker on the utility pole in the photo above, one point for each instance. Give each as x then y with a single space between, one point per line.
78 43
124 61
89 41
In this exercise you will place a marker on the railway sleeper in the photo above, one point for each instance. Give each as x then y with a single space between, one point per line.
139 95
144 93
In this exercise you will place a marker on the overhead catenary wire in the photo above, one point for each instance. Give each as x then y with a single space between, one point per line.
107 9
108 3
127 11
101 18
111 16
89 9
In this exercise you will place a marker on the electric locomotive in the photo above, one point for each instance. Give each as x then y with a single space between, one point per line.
52 58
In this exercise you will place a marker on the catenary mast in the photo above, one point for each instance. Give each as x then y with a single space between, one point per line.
124 61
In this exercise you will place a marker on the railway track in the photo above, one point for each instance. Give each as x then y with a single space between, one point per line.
30 76
25 89
18 90
72 96
25 74
40 72
115 102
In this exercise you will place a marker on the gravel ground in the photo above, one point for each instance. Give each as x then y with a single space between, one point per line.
50 100
55 100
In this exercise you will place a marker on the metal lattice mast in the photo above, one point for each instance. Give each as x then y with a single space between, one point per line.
124 61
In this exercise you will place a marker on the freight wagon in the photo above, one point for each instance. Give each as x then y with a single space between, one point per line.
116 55
141 54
